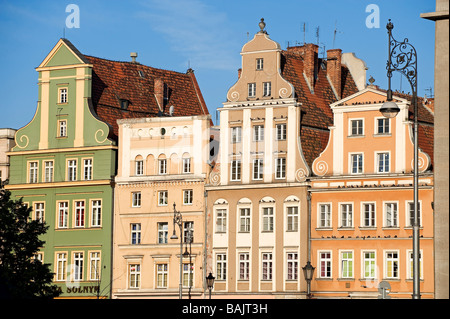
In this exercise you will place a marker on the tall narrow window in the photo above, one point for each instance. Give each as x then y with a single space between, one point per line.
236 170
411 265
161 275
188 195
251 89
94 266
63 213
79 213
292 266
267 266
325 264
258 133
33 172
391 215
61 266
39 212
221 220
162 166
267 219
186 165
244 220
48 168
292 218
369 215
325 215
78 262
411 213
62 131
357 163
244 266
87 169
135 233
259 64
63 95
280 168
163 231
221 267
281 132
346 264
383 162
139 167
392 260
267 89
236 134
369 264
72 170
188 275
96 213
258 168
135 275
188 228
346 215
163 198
136 199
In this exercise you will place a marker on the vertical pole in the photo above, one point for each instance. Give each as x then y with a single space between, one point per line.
181 259
416 246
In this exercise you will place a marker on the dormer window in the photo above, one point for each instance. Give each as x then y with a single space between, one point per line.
251 89
124 104
259 64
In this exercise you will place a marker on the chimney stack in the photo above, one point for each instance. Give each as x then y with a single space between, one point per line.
239 73
159 93
334 69
133 56
310 63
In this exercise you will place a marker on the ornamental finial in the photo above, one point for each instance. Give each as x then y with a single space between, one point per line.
262 25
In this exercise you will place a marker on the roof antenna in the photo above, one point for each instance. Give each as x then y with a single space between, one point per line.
304 32
335 31
317 35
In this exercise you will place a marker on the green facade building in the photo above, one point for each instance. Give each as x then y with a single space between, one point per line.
64 161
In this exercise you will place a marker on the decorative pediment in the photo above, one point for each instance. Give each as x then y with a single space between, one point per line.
63 53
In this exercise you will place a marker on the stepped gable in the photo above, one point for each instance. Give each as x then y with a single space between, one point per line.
316 112
148 91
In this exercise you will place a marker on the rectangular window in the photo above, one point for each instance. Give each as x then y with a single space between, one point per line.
96 213
292 218
411 265
292 266
258 133
135 275
188 195
411 213
357 163
221 266
280 168
346 215
251 89
33 172
78 263
346 264
259 64
281 132
221 220
383 162
267 266
357 127
258 168
135 233
369 264
383 126
392 263
244 266
48 171
136 199
87 169
188 232
94 266
244 220
267 219
79 213
63 95
72 170
163 231
162 166
325 264
267 89
139 167
186 165
62 131
61 266
236 170
163 197
39 212
391 215
188 275
161 275
325 215
369 215
236 134
63 213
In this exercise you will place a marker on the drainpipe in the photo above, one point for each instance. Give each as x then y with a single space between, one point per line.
204 246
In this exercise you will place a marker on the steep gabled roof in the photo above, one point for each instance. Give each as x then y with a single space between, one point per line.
113 81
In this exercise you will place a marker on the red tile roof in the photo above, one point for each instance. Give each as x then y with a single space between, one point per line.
114 80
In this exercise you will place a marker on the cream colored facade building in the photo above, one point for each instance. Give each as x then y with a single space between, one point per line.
6 144
162 162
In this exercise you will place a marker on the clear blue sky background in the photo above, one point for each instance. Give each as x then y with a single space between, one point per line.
206 34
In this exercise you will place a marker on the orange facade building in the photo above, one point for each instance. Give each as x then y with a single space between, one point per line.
362 201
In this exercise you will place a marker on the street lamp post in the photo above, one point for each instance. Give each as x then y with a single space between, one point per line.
189 239
178 219
210 283
403 58
308 270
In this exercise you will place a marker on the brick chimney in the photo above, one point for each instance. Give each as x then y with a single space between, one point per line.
159 92
239 73
310 63
334 69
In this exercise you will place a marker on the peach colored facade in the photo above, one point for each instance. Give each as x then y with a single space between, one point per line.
162 161
361 230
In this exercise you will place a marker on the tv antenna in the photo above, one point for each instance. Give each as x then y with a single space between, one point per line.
335 31
317 35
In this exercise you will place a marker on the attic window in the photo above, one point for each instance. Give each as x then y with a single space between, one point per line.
259 64
124 104
141 74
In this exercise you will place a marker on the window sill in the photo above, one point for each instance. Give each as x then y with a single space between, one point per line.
345 279
392 279
346 228
390 228
367 227
324 279
356 136
324 228
382 135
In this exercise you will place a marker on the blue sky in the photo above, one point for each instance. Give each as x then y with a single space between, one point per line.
206 35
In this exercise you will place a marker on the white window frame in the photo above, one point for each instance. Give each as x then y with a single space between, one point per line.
322 223
235 170
135 233
372 218
369 264
162 166
87 169
348 221
258 169
244 266
39 211
244 219
267 88
280 168
163 197
62 128
258 133
291 265
387 260
72 170
188 275
266 266
325 262
139 167
348 261
359 128
409 209
359 167
221 266
377 126
48 171
78 266
63 214
163 232
80 210
281 132
221 215
134 275
188 196
380 158
186 165
251 89
33 172
136 199
268 219
94 265
96 212
236 134
409 258
395 219
61 266
259 64
292 219
63 95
